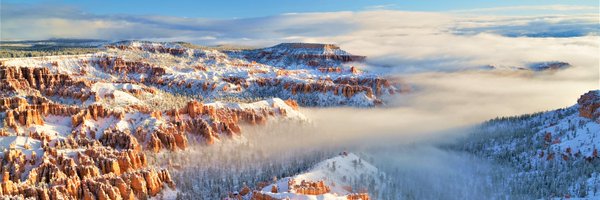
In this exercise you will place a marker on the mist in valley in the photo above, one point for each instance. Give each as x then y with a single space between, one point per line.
415 138
408 139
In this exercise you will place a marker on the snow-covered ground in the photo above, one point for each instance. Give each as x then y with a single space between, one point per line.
338 173
552 152
189 72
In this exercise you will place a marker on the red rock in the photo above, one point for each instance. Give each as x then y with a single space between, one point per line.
358 196
589 104
138 185
155 144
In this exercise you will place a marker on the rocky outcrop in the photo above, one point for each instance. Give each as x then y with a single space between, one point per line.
346 87
26 117
40 79
292 104
94 112
120 66
19 112
119 139
358 196
316 55
326 58
330 69
150 48
96 173
100 153
165 137
308 187
297 188
256 195
589 104
223 120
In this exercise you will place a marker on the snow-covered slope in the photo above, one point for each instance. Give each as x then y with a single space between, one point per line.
311 74
555 153
87 122
332 179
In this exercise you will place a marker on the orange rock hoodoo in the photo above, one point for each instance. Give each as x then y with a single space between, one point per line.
94 112
589 105
13 79
303 187
99 155
308 187
359 196
20 110
96 173
346 87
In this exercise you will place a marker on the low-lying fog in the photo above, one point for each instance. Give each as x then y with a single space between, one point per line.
432 53
400 139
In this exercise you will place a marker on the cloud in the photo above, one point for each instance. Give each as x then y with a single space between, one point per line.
47 21
395 40
532 26
381 7
531 8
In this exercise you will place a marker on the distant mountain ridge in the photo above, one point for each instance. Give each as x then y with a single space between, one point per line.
295 55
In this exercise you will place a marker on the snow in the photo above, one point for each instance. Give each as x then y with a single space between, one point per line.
345 171
218 65
291 114
541 145
166 193
20 143
344 168
185 76
57 127
582 138
116 89
294 196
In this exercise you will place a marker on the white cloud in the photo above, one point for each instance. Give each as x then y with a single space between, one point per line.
531 8
381 7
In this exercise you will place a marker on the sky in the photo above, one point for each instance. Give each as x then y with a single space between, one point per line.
260 8
268 22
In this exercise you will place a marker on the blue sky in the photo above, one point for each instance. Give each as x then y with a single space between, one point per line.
263 22
258 8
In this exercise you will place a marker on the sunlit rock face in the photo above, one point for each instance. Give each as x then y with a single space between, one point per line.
101 152
94 173
88 126
589 105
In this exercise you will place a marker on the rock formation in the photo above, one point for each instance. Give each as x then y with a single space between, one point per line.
296 187
315 55
308 187
589 104
83 125
41 80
